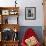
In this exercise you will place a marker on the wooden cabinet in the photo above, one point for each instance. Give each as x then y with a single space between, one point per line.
8 25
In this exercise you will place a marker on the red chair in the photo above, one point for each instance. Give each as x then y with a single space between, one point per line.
29 33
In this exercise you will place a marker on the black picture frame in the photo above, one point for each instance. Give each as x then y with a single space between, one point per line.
30 13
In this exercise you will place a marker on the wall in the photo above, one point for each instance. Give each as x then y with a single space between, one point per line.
27 3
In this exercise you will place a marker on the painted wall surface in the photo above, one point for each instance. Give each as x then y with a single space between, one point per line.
39 12
26 3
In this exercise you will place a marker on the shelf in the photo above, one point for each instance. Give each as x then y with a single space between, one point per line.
9 10
10 15
10 26
9 19
11 41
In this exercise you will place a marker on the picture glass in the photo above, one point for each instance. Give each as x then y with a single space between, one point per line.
30 13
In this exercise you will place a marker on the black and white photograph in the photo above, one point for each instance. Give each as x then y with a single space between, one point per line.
30 13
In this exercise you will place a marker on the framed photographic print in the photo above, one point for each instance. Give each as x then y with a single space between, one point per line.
5 12
30 13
